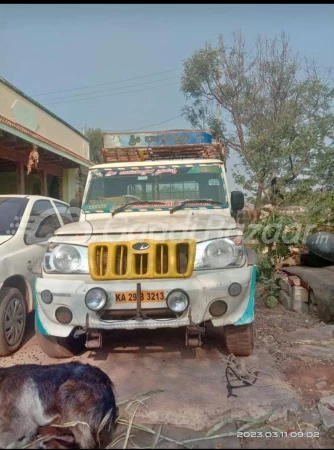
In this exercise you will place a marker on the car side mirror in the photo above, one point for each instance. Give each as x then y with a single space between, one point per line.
74 203
75 209
237 201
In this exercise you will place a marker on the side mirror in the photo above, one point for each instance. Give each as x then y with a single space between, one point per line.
237 200
75 209
74 203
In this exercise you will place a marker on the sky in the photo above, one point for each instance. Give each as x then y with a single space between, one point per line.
59 48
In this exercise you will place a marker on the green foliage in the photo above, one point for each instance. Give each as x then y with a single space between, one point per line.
277 232
275 113
265 268
272 301
81 178
95 138
272 289
320 211
201 117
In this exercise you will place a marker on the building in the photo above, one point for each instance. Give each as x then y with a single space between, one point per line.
39 152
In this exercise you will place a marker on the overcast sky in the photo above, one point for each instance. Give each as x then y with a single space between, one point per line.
47 48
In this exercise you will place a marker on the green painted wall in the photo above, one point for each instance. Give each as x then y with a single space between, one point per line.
8 183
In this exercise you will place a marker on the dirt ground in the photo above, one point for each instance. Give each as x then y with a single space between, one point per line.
312 378
194 396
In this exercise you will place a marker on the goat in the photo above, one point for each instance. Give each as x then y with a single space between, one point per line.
33 396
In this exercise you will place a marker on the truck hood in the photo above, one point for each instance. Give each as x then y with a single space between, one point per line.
148 223
4 239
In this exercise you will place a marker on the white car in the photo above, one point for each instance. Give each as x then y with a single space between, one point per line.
26 224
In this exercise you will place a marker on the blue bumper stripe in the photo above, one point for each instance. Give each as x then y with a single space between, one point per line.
248 315
39 324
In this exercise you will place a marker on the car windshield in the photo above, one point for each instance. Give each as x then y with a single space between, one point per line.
167 185
11 211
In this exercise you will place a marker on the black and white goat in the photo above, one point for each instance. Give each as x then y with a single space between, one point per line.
32 396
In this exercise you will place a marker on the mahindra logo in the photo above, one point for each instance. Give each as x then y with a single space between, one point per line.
141 246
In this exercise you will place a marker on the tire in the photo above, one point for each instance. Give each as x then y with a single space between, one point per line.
13 317
58 347
239 339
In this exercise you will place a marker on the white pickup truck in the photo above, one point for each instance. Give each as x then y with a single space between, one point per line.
26 223
156 246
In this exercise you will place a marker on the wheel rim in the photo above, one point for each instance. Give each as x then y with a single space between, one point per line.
14 321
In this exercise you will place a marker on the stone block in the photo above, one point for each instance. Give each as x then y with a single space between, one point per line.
294 280
300 294
286 286
300 307
286 299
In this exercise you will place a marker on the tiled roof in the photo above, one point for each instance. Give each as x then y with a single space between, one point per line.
42 139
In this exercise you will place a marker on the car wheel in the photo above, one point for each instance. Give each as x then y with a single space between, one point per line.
13 316
58 347
239 339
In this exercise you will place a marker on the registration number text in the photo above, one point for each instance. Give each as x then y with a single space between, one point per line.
131 297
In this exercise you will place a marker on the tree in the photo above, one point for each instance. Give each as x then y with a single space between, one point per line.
95 138
276 111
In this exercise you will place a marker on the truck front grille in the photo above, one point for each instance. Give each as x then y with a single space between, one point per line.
126 260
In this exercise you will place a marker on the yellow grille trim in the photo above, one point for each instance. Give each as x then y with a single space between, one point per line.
107 271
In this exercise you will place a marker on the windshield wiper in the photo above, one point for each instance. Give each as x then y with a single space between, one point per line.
187 202
135 202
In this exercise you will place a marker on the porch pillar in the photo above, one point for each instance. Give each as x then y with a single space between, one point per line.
44 183
20 178
69 185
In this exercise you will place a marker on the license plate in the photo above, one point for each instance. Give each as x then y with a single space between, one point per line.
146 297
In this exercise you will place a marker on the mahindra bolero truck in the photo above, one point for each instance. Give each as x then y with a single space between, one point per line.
156 246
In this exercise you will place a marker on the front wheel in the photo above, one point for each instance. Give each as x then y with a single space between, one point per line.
58 347
239 339
13 316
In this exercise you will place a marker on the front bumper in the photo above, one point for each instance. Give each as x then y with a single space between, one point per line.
202 288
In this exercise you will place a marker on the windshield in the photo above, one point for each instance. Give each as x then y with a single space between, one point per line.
11 211
167 185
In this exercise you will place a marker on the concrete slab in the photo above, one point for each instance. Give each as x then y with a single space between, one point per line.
326 410
311 417
312 351
322 333
195 394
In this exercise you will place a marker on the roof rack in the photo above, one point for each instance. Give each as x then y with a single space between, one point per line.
215 150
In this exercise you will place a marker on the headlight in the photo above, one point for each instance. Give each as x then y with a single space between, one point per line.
177 301
96 299
66 258
219 253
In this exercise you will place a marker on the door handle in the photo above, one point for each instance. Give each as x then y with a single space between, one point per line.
29 265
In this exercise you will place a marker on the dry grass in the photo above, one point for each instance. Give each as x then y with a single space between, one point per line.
128 427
